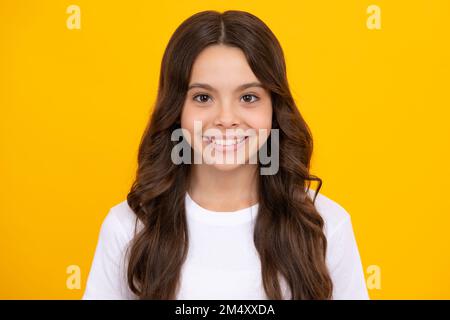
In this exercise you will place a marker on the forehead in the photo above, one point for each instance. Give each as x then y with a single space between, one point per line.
222 66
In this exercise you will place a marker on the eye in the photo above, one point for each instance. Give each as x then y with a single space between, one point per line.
248 98
203 98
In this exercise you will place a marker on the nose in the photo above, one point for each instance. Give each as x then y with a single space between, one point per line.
227 116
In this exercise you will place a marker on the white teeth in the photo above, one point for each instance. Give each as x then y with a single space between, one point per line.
225 142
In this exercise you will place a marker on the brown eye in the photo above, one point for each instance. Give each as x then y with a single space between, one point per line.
203 98
248 98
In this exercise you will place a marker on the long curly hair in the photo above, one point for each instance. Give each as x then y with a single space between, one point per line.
288 232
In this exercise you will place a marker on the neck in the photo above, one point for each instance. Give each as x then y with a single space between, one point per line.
219 190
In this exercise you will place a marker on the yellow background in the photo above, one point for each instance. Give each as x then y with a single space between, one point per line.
74 104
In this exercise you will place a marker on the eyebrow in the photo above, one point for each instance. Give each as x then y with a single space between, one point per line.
241 87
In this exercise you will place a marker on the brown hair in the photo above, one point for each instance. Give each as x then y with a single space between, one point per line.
288 232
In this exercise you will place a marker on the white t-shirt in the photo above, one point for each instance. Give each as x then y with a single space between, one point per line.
222 261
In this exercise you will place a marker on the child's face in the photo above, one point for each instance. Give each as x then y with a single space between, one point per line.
223 105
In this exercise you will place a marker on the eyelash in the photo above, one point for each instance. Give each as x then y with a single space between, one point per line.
203 94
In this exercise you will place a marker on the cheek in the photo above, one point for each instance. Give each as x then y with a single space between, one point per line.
186 115
261 119
189 115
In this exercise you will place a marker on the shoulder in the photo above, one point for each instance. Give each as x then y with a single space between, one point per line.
342 257
120 222
108 274
334 215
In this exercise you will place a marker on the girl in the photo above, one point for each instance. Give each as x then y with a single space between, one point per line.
221 230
